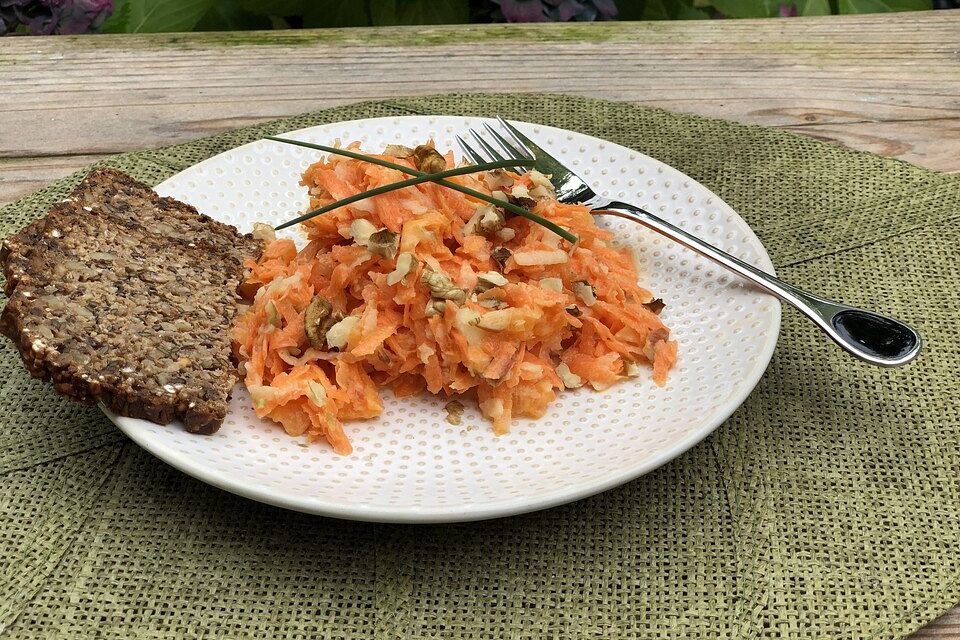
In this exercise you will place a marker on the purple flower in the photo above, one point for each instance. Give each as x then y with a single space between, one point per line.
557 10
523 10
566 10
80 16
788 10
42 17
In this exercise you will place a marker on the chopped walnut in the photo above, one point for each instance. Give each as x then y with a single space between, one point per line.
455 410
317 320
497 179
428 159
485 221
542 187
655 336
655 305
526 201
397 151
384 243
500 255
442 287
435 307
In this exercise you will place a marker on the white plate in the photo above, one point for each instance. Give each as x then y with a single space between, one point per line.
410 465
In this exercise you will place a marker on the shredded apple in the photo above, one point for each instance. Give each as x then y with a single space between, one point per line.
427 288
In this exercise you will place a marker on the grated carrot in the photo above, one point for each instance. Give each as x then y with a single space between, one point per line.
580 306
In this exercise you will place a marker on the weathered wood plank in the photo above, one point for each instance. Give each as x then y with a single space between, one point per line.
114 93
946 627
21 176
928 143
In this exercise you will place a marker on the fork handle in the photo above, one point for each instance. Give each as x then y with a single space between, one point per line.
868 335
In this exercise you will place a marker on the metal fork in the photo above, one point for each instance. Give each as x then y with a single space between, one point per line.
868 335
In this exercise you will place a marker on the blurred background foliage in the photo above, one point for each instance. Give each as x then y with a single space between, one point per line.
146 16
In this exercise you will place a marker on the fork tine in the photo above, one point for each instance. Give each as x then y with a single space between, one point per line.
565 181
508 148
486 146
529 146
470 152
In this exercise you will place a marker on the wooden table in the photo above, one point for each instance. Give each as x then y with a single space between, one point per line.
883 83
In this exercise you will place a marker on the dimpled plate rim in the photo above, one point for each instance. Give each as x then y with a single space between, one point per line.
157 440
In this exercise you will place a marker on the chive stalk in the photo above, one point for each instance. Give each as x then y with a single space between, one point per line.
426 177
393 186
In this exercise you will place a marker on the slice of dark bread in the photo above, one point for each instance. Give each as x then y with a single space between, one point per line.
13 252
107 313
111 309
114 193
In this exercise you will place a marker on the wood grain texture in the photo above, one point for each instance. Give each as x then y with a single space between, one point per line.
867 82
21 176
947 627
889 84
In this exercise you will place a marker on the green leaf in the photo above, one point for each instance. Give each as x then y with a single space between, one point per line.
686 12
813 7
227 15
630 9
656 10
118 20
155 16
392 12
337 13
878 6
274 7
747 8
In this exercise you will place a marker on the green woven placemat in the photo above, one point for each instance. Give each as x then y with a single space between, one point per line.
828 506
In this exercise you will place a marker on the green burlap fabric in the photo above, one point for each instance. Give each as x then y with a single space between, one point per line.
828 506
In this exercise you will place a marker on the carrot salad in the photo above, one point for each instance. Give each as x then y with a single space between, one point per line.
427 288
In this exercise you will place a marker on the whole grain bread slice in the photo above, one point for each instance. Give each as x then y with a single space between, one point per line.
13 252
113 193
107 312
126 298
